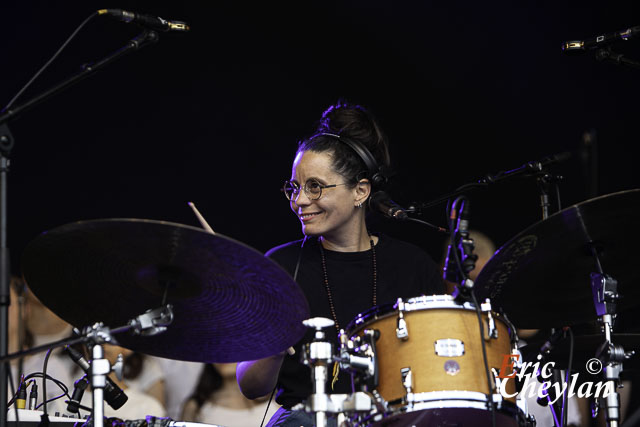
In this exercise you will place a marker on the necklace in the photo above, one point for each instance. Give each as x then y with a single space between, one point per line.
336 369
328 288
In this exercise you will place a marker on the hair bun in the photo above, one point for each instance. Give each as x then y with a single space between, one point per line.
356 122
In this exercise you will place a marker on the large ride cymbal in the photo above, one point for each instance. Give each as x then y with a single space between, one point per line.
541 277
230 302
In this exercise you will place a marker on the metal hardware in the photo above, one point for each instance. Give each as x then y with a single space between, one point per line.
402 333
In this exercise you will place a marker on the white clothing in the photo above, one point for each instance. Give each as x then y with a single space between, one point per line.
150 374
180 380
222 416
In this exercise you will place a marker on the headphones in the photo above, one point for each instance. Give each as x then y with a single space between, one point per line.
375 173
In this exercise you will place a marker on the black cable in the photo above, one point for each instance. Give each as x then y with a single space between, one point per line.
50 400
13 392
558 197
565 400
268 403
55 55
57 382
84 408
437 228
464 278
484 357
60 384
44 380
295 273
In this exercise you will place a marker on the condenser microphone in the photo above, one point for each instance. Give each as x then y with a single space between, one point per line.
148 21
381 202
581 46
113 394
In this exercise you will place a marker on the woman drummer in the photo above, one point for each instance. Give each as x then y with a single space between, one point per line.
342 268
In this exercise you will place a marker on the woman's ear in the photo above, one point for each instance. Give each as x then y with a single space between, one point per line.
363 191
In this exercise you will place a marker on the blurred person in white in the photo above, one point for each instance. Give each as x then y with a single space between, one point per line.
180 379
217 400
31 324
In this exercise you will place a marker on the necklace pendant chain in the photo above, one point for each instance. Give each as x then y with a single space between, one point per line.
328 288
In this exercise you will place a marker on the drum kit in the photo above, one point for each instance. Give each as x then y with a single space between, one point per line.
434 360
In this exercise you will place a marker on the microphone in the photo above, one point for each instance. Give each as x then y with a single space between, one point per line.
113 394
529 167
79 387
381 202
463 219
148 21
463 244
581 46
552 341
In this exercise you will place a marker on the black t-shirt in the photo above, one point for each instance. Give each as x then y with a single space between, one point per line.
403 271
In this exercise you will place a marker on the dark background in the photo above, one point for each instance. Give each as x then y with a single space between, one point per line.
212 116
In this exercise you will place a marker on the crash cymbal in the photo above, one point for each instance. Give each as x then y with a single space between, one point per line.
584 348
230 302
541 277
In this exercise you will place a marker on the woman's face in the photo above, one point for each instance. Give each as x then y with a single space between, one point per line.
335 212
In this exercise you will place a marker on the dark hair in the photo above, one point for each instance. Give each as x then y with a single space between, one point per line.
133 365
210 381
357 124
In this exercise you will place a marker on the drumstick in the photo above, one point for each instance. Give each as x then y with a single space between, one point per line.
207 227
203 222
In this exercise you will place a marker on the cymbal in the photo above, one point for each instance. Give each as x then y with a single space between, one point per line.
584 348
541 277
230 302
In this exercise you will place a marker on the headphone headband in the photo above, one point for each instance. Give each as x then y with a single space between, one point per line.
376 175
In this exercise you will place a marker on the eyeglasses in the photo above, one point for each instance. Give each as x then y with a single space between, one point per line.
312 188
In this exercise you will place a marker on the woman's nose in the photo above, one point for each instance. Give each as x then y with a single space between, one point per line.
301 199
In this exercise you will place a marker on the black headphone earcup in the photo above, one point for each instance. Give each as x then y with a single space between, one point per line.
378 180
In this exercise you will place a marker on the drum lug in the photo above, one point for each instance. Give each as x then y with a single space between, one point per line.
407 383
407 379
402 333
497 381
491 324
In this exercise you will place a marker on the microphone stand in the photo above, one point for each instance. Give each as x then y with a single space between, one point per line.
6 145
534 168
152 322
606 54
143 39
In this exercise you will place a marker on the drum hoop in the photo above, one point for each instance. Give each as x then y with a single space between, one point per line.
424 302
419 398
454 399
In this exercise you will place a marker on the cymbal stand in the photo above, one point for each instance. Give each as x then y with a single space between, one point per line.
605 296
544 180
318 355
